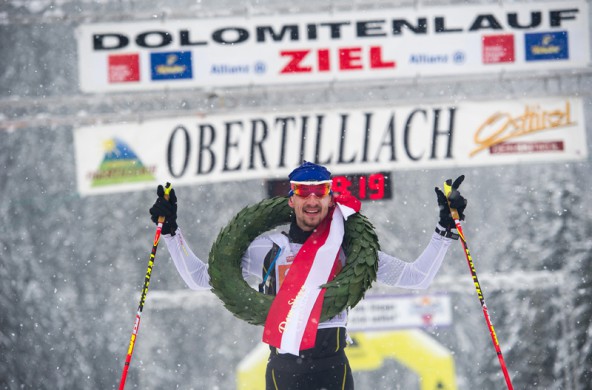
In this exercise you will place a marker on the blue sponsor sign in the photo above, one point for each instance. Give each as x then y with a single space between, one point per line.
171 66
546 46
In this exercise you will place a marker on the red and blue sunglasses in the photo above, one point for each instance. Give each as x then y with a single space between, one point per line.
306 189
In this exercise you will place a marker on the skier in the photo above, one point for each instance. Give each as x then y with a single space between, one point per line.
316 359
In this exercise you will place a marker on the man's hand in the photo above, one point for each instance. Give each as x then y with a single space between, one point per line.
167 209
455 201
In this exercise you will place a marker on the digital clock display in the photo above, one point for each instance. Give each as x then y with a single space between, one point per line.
365 186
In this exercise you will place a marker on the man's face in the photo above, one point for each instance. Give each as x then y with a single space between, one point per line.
310 210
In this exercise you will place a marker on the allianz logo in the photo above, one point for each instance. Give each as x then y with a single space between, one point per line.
427 58
258 67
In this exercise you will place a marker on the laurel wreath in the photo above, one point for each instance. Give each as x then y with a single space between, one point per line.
360 244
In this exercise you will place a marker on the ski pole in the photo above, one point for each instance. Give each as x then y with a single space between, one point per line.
447 190
132 342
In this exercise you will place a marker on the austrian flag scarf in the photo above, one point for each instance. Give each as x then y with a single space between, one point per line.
293 319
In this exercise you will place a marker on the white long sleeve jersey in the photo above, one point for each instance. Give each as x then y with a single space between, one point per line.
391 270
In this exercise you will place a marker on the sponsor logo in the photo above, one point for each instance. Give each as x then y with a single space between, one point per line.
498 49
173 65
229 69
502 126
124 68
258 67
458 57
120 165
546 46
428 59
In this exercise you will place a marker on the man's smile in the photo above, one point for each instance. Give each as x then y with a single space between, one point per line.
315 210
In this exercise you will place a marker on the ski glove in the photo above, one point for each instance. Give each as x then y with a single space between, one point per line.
456 201
167 209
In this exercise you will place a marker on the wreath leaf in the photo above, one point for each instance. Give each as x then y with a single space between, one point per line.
360 244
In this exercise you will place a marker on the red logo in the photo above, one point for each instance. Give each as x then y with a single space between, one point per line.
527 147
124 68
498 49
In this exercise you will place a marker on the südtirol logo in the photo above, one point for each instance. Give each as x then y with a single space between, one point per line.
120 165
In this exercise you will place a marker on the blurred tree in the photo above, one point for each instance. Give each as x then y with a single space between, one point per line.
551 230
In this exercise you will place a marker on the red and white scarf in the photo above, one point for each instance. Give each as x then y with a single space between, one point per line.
293 319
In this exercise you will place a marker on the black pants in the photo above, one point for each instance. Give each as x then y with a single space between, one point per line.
324 367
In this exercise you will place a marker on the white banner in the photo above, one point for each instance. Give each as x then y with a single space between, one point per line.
384 312
190 150
325 47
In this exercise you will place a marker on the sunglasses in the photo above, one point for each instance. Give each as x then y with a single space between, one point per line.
305 190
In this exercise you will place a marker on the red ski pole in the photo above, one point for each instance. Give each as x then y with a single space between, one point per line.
132 342
447 190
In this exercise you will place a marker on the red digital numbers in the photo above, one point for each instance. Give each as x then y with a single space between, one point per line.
341 185
375 186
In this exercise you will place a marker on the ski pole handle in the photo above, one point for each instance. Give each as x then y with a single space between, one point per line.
447 191
167 194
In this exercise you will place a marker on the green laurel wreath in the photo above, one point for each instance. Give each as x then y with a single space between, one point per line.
360 244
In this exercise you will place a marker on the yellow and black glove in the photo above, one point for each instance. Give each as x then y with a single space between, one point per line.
454 200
